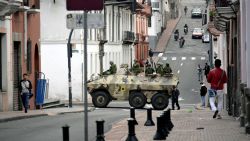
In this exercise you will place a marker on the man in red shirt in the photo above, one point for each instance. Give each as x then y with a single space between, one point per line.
217 77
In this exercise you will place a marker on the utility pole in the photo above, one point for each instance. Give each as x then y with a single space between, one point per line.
69 47
102 42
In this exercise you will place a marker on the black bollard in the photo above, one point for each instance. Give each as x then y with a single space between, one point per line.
149 121
164 127
65 130
131 130
167 115
160 135
100 130
132 114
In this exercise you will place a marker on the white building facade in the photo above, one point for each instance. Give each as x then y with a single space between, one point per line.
160 15
54 38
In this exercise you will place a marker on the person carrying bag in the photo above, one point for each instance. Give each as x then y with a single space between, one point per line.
217 78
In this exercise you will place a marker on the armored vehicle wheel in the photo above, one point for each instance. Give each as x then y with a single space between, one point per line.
159 101
100 99
137 100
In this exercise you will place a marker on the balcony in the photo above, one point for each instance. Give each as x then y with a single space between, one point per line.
9 7
3 3
147 10
128 37
137 38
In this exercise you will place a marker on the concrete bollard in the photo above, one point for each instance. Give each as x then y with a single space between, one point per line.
100 130
131 130
160 133
149 121
132 114
65 131
169 123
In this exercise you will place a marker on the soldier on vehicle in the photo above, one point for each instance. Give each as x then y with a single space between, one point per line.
112 69
160 69
136 67
149 70
167 69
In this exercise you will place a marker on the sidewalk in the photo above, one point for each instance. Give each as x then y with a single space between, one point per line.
16 115
189 125
166 35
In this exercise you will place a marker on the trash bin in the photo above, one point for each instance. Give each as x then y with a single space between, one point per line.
40 89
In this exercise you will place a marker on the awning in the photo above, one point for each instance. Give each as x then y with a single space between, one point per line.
212 29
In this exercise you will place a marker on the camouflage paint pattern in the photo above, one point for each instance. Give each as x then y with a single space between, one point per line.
120 86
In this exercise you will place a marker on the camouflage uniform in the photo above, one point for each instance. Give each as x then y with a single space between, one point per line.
112 69
160 69
149 70
136 67
167 69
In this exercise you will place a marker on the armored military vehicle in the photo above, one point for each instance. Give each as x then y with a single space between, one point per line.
137 89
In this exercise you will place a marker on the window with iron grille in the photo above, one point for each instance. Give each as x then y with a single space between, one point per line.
29 58
149 22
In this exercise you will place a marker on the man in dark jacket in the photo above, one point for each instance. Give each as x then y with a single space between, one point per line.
175 97
203 92
25 87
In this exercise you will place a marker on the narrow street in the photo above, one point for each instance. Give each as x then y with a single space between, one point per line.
184 61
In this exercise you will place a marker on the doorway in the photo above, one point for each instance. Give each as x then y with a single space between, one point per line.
17 105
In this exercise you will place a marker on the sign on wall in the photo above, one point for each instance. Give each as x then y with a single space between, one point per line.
75 21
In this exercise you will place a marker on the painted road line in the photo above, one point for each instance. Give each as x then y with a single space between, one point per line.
178 71
193 58
160 54
164 58
173 58
180 99
183 58
181 64
203 58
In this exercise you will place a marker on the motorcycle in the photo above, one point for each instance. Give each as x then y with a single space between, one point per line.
176 36
181 42
185 30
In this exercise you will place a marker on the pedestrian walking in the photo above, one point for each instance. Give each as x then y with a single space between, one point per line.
206 69
217 77
185 9
25 90
200 77
203 92
175 97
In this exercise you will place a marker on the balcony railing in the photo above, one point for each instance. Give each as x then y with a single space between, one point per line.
222 3
128 37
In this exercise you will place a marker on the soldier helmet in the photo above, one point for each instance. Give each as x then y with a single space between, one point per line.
167 64
111 62
159 63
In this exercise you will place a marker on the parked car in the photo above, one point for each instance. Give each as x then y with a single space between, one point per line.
197 33
205 38
196 13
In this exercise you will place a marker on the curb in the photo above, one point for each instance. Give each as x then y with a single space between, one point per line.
90 109
21 117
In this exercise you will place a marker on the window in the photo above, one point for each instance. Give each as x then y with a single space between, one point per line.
149 21
155 5
29 58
